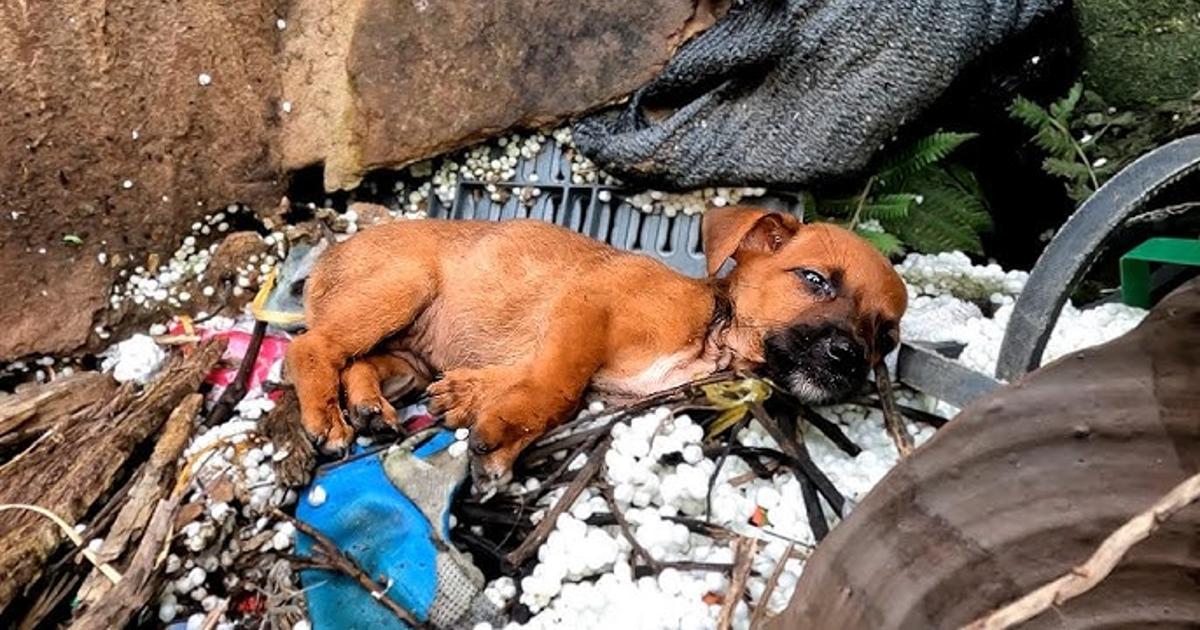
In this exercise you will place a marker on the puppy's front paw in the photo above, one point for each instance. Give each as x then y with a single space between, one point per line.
376 415
328 429
460 395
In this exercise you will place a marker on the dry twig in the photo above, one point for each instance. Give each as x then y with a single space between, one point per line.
800 459
327 556
892 420
518 556
744 550
1086 576
117 606
152 483
607 492
236 390
760 610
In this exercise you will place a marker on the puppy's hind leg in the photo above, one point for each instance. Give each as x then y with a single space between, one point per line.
349 316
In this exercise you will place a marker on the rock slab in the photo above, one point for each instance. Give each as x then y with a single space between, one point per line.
383 83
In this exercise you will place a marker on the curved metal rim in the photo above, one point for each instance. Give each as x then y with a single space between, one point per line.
1077 245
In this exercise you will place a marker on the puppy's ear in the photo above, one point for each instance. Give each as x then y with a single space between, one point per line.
736 232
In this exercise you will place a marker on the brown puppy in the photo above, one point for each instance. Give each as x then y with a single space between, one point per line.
521 317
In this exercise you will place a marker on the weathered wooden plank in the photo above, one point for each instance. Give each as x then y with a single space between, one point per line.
70 467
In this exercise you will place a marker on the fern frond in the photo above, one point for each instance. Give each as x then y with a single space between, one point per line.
963 184
950 215
1033 115
887 244
889 207
1079 191
839 208
930 229
1054 141
920 155
1067 169
1062 109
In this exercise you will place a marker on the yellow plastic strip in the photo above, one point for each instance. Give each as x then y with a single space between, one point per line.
271 317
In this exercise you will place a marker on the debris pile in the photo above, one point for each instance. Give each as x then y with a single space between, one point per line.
180 464
672 502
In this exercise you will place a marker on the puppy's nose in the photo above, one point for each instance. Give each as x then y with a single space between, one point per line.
843 350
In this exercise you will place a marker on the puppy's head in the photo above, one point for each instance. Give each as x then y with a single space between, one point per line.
815 306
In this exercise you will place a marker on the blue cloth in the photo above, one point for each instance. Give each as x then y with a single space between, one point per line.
383 531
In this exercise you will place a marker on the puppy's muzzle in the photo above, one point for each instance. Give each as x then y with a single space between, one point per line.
818 364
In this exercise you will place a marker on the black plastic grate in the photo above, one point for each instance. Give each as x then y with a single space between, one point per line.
597 210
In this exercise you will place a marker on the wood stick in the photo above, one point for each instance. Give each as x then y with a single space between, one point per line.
236 390
58 589
607 492
329 555
712 479
830 429
744 549
800 459
26 415
684 565
760 609
76 464
541 532
892 420
118 606
813 509
823 424
152 483
1086 576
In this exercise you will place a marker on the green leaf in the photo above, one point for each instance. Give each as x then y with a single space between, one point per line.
71 239
889 207
887 244
1030 113
1054 141
950 215
1066 169
1062 109
920 155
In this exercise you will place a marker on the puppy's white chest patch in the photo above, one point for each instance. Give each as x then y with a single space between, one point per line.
663 373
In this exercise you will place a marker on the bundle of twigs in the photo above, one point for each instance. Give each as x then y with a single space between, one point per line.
504 540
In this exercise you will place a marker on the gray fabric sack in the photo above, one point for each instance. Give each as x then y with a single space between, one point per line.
791 92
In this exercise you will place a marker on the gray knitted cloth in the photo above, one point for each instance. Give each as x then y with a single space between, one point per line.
789 92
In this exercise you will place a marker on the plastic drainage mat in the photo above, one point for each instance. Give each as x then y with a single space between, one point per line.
597 210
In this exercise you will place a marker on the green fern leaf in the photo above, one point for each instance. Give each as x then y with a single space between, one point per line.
1079 191
889 207
887 244
1066 169
950 215
920 155
1062 109
962 183
1054 141
929 231
839 208
1031 114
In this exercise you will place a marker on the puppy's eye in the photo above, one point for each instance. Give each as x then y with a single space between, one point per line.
816 282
